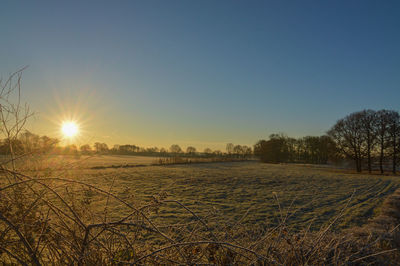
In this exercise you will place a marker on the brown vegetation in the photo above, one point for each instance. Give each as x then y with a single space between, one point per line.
53 223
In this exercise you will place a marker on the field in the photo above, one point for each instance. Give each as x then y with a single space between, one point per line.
311 195
82 161
83 210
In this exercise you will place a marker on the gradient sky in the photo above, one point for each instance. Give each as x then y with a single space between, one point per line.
205 73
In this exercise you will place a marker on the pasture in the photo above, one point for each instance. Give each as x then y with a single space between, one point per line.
255 193
81 161
221 213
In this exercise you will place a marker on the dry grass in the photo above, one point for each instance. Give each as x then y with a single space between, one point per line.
228 190
93 217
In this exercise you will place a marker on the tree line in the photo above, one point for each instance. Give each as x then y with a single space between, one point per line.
238 151
368 138
28 142
283 149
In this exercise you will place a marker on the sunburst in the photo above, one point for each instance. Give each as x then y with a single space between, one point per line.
69 129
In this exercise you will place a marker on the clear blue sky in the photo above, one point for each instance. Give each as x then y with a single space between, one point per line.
201 72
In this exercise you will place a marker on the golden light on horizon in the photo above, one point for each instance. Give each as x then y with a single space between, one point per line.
69 129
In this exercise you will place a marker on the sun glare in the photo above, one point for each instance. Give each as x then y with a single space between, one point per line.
69 129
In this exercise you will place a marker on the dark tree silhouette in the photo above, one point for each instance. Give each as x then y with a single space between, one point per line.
229 148
369 127
85 149
207 151
382 130
280 148
175 148
191 150
101 147
349 137
394 135
273 150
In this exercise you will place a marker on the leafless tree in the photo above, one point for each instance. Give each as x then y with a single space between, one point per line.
101 147
247 151
207 151
394 135
382 129
237 150
348 134
13 113
85 149
175 148
369 126
229 148
191 150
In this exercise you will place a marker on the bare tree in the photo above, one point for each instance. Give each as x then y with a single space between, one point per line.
273 150
207 151
217 153
191 150
247 151
229 148
382 130
175 148
369 127
237 150
13 114
101 147
394 135
348 134
85 149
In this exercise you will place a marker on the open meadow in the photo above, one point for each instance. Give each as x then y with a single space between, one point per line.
38 162
255 193
72 209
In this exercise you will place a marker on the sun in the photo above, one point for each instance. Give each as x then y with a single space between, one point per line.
69 129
